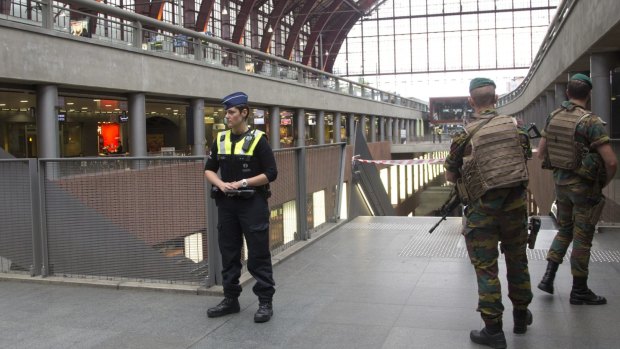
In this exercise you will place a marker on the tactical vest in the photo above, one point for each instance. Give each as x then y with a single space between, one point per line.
496 160
562 150
237 161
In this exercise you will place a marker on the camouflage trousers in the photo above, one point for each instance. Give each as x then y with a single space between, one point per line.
576 219
511 229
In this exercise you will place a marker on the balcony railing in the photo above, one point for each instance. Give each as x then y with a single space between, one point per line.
130 30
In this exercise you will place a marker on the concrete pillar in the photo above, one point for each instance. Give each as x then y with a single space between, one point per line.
600 68
396 131
300 123
137 124
373 128
47 122
382 128
198 118
362 124
410 132
542 108
320 123
351 123
388 129
274 127
560 94
550 107
337 127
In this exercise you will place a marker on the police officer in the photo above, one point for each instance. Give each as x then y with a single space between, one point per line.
247 165
488 163
576 147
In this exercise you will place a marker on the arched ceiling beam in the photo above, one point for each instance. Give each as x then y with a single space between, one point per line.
156 9
242 20
204 13
274 20
335 32
259 3
317 29
189 9
300 19
338 37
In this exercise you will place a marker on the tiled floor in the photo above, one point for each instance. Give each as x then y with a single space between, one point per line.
380 282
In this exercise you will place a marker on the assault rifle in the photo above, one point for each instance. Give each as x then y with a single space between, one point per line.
453 202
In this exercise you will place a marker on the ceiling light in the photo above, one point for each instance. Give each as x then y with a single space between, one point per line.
23 101
224 11
70 103
269 30
2 105
96 100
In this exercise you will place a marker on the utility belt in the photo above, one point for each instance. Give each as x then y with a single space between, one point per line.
244 193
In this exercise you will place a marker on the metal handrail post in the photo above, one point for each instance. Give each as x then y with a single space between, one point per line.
214 259
45 269
302 219
343 151
35 206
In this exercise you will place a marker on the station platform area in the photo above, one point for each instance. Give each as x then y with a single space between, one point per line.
375 282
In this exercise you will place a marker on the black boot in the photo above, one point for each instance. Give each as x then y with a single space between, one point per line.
547 281
264 312
491 335
522 319
581 294
226 306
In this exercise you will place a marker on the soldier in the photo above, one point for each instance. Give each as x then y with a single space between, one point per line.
576 147
246 162
488 163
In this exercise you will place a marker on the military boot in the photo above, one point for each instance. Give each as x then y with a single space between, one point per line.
581 294
491 335
546 284
226 306
522 319
264 312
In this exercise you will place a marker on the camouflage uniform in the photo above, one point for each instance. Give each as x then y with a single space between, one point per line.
499 215
577 193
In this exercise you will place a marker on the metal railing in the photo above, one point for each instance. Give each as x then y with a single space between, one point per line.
563 10
611 212
130 30
147 219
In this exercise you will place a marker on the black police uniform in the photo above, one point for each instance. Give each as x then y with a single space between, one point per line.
248 217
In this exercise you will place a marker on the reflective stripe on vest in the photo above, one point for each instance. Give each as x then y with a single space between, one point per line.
497 159
225 145
562 150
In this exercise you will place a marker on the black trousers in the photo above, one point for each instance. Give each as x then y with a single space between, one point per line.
249 218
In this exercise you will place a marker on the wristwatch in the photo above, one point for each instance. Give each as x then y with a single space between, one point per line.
244 183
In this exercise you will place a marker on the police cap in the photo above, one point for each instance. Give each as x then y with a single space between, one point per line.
235 99
480 82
